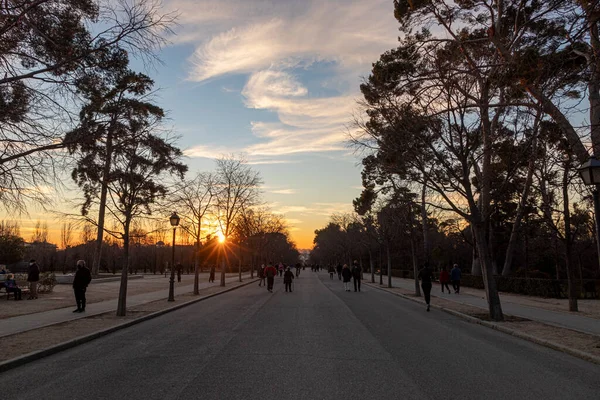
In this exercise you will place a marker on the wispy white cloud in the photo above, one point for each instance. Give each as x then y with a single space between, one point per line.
216 151
269 41
283 191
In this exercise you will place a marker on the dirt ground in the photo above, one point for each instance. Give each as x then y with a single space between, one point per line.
589 344
22 343
62 295
587 307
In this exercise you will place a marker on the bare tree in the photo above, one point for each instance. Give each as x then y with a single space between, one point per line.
237 188
194 201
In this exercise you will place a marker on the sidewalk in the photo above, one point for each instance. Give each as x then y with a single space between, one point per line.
27 322
516 305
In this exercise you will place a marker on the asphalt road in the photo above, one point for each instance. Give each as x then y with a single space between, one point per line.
318 342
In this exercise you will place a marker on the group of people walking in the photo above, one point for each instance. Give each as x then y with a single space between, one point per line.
346 274
427 278
269 272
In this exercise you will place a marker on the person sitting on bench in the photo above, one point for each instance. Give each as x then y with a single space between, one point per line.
11 287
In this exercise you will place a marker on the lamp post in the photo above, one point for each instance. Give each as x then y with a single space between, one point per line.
590 174
174 220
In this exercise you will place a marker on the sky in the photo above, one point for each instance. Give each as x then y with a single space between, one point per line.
278 81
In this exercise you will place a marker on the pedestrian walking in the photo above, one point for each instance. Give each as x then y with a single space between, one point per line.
444 279
179 271
261 275
288 278
346 276
298 266
211 275
10 284
426 277
82 279
356 275
281 269
455 275
270 273
331 271
339 271
33 276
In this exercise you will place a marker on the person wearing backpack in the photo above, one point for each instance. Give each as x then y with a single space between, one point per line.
270 273
356 275
288 277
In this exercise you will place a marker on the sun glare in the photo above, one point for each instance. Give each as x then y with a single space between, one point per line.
221 237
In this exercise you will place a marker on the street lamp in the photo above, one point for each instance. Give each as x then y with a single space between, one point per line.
174 220
590 174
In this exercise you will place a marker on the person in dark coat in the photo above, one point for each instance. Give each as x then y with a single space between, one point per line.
346 277
33 276
339 271
270 273
356 275
455 275
82 279
331 271
288 278
426 277
211 276
179 271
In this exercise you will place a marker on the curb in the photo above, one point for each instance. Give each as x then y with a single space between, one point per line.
500 328
36 355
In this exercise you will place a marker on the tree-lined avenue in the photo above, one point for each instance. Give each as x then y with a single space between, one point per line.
317 342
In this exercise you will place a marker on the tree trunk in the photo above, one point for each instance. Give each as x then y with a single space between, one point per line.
425 224
122 302
222 254
492 247
568 242
240 263
380 267
389 266
491 291
514 233
372 266
413 253
475 264
197 267
102 206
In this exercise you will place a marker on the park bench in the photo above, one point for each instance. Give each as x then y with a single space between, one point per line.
24 288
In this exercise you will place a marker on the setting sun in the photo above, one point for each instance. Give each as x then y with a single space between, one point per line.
221 237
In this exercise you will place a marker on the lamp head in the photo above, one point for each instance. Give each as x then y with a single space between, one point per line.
174 219
590 171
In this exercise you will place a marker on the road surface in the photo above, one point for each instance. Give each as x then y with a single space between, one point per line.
318 342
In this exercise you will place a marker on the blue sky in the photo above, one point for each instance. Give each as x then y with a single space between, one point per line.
277 81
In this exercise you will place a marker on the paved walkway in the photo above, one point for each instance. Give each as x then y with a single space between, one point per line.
23 323
314 343
561 319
